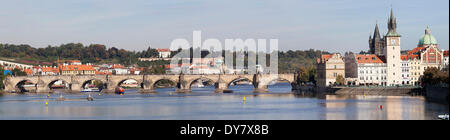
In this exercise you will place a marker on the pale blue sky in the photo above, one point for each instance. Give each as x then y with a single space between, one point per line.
331 25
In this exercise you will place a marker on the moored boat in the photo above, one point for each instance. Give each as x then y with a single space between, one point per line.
120 90
91 90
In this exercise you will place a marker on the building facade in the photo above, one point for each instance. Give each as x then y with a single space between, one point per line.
425 55
329 67
405 66
163 53
366 70
77 70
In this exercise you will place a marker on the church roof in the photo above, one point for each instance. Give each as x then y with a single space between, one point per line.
427 39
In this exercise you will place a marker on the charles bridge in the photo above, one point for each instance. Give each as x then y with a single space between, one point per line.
147 83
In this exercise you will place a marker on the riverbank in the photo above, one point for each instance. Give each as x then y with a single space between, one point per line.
381 91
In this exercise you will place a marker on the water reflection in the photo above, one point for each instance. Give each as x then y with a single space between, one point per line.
203 103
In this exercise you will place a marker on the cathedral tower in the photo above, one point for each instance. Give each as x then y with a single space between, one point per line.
376 44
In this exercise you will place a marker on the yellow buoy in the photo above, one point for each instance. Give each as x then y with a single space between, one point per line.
46 103
243 98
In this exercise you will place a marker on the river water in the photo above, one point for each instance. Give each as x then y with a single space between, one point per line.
204 104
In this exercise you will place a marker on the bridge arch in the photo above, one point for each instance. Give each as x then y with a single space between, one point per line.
56 81
278 79
211 81
139 83
250 81
22 86
100 85
278 85
169 81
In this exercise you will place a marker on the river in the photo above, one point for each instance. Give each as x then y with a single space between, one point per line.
204 104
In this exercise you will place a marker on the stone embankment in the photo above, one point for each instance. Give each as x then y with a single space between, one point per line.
386 91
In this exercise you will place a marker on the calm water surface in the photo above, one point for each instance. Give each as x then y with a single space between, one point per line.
204 104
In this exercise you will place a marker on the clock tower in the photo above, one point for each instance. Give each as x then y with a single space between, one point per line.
392 53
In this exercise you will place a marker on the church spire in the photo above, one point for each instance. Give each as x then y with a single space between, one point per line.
392 25
376 33
392 21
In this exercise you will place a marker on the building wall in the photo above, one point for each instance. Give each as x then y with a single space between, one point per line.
393 59
329 70
164 54
406 76
372 74
415 70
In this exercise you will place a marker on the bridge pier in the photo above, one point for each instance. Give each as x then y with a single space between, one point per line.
75 87
220 85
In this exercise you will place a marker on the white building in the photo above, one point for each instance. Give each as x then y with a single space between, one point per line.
406 77
366 69
163 52
120 71
13 65
445 59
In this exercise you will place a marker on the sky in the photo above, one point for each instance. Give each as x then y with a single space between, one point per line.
330 25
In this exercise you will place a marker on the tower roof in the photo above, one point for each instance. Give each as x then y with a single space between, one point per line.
427 38
392 25
376 34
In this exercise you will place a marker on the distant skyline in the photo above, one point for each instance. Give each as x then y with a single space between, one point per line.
329 25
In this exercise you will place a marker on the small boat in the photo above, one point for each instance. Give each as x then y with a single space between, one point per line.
91 90
120 90
443 117
227 91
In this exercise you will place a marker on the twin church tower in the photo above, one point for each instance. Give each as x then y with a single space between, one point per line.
388 48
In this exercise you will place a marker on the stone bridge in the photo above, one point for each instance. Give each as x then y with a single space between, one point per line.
42 84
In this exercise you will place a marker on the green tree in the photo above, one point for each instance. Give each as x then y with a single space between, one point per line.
17 72
340 80
433 76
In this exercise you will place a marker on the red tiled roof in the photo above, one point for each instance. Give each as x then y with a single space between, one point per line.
404 57
50 69
163 50
117 66
77 67
325 57
103 73
371 58
28 71
179 65
416 50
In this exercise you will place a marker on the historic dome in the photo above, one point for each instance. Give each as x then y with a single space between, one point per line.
427 39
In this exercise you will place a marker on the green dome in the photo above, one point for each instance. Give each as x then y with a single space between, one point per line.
427 39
